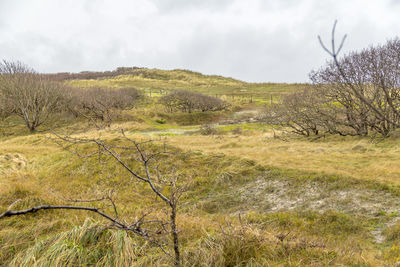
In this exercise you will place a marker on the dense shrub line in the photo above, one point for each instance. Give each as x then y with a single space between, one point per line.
36 97
87 75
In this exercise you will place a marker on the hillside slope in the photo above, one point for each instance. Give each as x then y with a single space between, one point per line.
156 80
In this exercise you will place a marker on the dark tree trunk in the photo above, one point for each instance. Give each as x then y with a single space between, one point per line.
175 236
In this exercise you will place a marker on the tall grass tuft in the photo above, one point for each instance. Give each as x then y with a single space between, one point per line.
86 245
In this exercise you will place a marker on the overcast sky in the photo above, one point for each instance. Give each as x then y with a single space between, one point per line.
251 40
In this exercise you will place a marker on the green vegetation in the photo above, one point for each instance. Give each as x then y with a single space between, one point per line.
255 195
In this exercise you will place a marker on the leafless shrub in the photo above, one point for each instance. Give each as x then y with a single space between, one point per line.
101 104
366 84
297 111
355 95
187 101
31 96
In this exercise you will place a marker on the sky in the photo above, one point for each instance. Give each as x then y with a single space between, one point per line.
250 40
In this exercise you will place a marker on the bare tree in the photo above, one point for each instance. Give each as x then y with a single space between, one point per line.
31 96
101 104
187 101
354 95
143 163
296 113
369 80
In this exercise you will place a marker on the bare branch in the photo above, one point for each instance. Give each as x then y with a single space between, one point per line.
10 213
334 54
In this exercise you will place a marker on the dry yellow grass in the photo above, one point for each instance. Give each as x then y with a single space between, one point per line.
353 157
293 185
338 238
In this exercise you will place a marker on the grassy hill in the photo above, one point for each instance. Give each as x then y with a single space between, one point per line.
254 196
156 80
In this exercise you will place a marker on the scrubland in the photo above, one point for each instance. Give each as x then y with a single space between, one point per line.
255 194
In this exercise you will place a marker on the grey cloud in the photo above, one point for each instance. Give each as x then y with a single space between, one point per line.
252 40
395 2
251 54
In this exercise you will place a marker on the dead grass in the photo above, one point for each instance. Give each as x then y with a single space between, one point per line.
336 197
333 155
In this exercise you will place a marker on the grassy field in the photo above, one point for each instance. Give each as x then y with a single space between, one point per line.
255 196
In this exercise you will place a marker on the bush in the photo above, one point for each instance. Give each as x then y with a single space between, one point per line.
189 102
30 95
161 121
357 95
365 86
99 103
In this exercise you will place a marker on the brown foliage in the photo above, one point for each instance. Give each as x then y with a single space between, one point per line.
187 101
29 95
356 95
367 86
62 76
99 103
